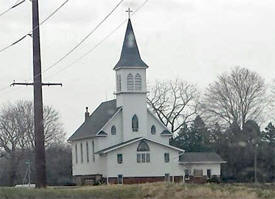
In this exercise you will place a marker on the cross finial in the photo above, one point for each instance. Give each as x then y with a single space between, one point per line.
129 12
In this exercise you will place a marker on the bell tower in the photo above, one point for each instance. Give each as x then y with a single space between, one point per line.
131 87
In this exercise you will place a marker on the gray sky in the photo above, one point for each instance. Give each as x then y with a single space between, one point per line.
194 40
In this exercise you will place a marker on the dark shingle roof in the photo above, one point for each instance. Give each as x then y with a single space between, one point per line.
191 157
122 144
130 54
166 132
96 120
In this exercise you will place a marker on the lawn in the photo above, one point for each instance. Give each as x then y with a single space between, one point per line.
145 191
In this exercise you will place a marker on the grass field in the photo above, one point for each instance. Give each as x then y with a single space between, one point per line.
146 191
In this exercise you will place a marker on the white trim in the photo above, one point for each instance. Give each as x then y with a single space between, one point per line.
203 162
109 121
107 151
159 121
128 143
130 92
130 67
169 146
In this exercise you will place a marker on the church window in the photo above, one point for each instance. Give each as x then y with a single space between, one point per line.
130 82
93 148
138 82
118 83
76 156
138 157
87 151
113 130
81 152
166 157
135 123
143 146
119 158
153 130
143 155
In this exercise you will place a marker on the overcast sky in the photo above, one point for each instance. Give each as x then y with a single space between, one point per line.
194 40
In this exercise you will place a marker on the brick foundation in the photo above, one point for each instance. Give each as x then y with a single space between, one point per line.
140 180
87 179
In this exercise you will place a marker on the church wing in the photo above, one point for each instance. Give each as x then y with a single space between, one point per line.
96 121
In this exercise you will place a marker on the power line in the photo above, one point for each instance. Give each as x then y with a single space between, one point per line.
30 32
99 43
12 7
84 39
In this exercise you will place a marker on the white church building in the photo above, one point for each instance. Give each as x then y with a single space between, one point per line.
122 141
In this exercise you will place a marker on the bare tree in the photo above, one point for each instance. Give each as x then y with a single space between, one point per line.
237 96
174 102
17 131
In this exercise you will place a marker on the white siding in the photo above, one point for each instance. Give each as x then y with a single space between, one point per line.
156 167
87 168
109 140
215 168
151 120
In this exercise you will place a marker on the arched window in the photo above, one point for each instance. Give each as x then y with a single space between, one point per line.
138 82
113 130
118 83
143 152
153 130
135 123
143 146
130 82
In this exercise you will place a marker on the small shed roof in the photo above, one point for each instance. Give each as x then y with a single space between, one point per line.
201 157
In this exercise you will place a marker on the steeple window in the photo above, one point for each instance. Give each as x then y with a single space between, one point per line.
118 83
130 82
138 82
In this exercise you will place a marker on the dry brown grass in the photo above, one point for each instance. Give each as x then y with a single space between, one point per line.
145 191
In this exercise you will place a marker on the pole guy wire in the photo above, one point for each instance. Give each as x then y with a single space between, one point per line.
99 43
30 32
84 39
12 7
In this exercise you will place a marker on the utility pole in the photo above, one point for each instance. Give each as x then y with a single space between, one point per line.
255 165
40 161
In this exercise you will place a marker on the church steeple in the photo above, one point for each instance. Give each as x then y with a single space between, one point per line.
130 56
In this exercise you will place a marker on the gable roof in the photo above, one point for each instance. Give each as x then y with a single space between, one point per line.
164 132
111 148
131 141
103 113
130 56
201 157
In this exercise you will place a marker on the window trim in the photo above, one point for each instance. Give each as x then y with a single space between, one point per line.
87 152
113 130
130 82
143 157
76 155
166 157
135 123
138 82
153 130
81 152
119 158
143 146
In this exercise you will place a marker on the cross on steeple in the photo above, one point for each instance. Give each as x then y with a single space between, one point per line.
129 12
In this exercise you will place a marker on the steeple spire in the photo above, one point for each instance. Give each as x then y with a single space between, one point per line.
130 56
